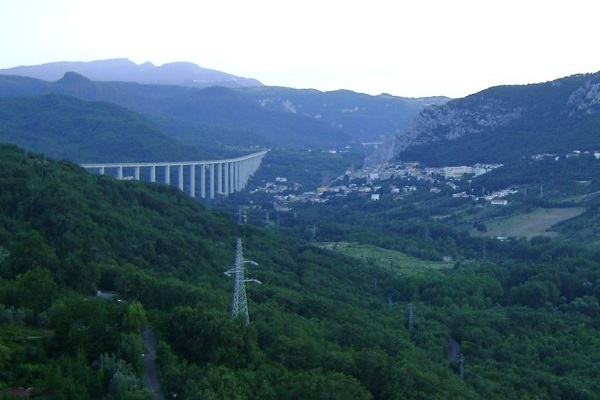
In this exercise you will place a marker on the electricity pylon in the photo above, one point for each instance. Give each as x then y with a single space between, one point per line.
240 304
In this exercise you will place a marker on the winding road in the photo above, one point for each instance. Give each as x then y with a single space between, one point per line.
151 375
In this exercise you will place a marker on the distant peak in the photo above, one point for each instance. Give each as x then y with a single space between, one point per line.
73 77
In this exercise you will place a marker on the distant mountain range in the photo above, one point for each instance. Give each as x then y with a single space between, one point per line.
123 70
502 124
499 124
221 121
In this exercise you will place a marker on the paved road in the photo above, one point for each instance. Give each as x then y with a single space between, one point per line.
151 375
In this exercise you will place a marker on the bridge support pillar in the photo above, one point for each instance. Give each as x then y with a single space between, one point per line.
226 177
219 178
193 180
203 181
180 177
212 181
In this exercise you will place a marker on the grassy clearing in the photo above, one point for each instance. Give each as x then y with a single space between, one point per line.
23 333
535 223
391 260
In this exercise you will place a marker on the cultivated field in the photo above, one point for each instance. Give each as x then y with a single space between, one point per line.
535 223
387 259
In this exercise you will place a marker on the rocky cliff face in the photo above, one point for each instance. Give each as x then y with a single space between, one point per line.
587 97
365 118
493 109
456 119
450 121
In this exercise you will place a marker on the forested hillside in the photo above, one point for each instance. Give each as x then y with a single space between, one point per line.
64 127
68 234
322 325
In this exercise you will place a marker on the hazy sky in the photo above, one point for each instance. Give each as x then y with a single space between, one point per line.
408 48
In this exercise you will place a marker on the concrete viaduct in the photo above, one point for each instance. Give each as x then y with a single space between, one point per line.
213 177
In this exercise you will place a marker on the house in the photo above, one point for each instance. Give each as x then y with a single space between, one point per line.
499 202
375 196
457 172
480 169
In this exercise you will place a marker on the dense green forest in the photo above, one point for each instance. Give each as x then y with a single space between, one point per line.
322 325
64 127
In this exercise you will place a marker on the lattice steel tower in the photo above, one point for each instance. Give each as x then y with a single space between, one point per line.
239 304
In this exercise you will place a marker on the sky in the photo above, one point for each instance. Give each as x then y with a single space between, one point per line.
408 48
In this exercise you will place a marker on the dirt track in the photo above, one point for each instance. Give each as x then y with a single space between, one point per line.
151 375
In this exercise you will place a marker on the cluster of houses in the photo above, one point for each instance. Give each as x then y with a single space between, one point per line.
572 154
374 182
367 183
494 198
280 185
414 169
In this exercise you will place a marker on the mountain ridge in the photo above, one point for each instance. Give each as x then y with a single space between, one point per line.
122 69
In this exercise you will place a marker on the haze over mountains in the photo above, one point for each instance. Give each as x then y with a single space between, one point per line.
218 120
192 107
121 69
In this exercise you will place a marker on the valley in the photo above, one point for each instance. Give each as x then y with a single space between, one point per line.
465 266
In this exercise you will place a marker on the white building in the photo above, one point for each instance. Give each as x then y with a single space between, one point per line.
457 172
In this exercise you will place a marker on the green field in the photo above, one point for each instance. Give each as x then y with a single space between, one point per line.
388 259
535 223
